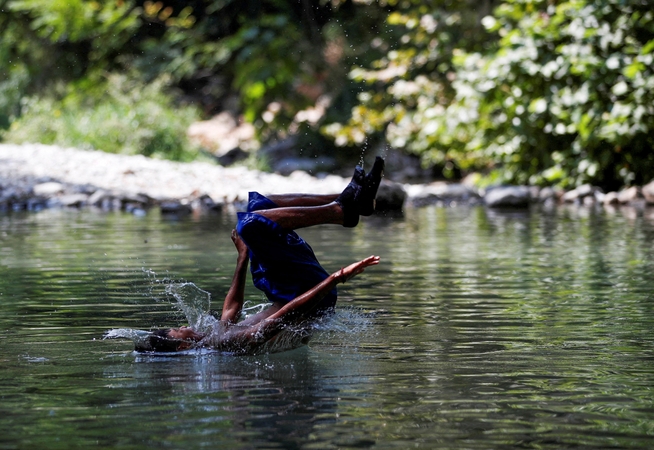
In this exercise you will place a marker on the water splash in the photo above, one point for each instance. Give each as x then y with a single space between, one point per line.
138 337
363 152
341 328
192 301
383 151
195 303
347 326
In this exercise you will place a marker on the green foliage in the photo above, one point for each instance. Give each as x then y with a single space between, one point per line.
532 91
563 96
408 87
78 20
64 39
46 42
128 118
265 66
272 56
279 58
566 97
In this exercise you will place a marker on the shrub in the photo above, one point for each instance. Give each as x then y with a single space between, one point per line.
561 93
116 116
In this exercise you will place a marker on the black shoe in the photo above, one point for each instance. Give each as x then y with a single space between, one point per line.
349 199
370 186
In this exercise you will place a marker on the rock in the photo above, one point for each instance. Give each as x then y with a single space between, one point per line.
648 192
135 208
390 197
404 168
206 203
232 156
114 200
286 157
441 192
136 183
598 196
87 189
96 198
36 204
584 195
508 196
586 190
111 204
589 200
48 189
222 133
546 194
577 195
570 196
611 198
18 198
139 212
129 197
73 200
629 195
175 207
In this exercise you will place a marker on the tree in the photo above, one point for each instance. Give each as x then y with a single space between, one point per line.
562 93
48 42
276 58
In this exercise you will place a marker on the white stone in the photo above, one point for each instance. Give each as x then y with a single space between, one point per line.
648 192
48 189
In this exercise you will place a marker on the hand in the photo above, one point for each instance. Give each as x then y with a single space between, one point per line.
241 248
356 268
184 333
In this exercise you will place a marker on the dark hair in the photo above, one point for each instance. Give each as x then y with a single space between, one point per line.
163 332
158 341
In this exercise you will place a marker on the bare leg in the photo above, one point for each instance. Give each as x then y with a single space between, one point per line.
294 217
285 200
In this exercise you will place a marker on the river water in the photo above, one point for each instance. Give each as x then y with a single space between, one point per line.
478 330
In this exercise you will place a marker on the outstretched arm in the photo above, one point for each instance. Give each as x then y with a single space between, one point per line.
244 338
240 337
296 310
312 297
233 303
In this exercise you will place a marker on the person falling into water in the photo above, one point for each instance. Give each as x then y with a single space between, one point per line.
283 266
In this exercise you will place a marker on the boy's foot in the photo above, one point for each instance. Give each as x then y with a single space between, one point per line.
349 198
370 186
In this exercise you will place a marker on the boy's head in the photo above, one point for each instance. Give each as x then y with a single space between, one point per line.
159 341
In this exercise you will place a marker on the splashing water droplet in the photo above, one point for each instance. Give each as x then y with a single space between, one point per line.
194 303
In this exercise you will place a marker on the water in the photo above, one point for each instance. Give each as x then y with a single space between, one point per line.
478 330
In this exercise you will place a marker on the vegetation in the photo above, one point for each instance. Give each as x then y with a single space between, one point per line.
522 91
126 118
562 95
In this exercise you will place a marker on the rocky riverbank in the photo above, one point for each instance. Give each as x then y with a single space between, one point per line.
38 176
34 177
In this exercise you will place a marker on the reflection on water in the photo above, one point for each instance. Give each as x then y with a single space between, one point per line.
479 329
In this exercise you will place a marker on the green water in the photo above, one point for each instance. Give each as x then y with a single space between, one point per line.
478 330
